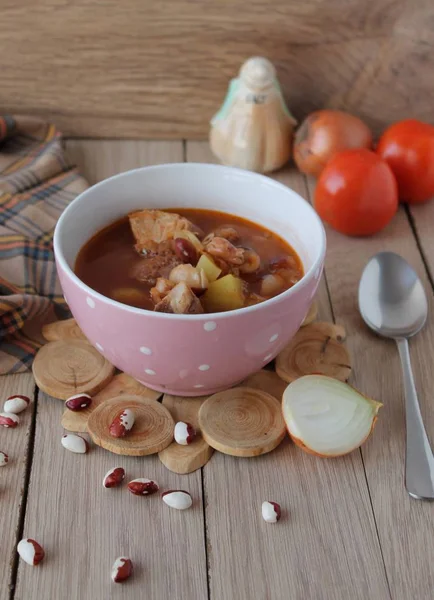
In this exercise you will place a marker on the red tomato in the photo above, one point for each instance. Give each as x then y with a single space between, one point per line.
408 148
357 193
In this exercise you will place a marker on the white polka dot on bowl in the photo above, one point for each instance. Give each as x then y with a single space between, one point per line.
204 367
210 325
273 338
99 347
145 350
268 357
198 385
90 302
149 372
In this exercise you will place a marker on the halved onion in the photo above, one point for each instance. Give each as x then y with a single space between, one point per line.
327 417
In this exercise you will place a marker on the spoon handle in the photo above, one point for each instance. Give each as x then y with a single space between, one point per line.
419 459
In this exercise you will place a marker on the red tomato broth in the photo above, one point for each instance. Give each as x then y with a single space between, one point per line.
105 261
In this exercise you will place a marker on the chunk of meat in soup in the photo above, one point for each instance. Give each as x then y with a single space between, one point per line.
161 289
225 231
225 267
151 227
158 262
225 250
180 300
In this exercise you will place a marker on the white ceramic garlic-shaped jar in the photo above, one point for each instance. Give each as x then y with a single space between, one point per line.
253 129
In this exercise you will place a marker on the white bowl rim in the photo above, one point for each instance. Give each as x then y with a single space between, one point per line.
196 317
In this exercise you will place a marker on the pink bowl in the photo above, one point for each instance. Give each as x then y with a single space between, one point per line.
196 354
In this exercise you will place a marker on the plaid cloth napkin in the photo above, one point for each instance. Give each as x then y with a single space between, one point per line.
36 184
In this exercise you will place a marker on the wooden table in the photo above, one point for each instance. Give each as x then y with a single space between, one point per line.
349 529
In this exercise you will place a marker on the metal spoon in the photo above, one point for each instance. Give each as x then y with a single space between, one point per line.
393 303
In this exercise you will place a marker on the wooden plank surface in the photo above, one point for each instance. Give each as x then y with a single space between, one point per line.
324 547
422 218
16 443
98 159
140 68
405 526
85 527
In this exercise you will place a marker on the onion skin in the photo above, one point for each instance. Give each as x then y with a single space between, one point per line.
298 442
323 134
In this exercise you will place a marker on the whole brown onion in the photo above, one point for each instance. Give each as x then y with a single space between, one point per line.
323 134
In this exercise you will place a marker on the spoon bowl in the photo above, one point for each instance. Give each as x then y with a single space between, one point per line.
392 300
393 303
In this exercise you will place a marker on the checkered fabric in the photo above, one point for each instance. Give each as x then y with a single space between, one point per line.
36 184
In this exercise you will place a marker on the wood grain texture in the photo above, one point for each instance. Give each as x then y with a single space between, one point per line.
185 459
266 381
422 218
63 330
15 443
97 159
317 348
152 430
120 384
84 527
67 367
405 526
324 547
161 69
242 421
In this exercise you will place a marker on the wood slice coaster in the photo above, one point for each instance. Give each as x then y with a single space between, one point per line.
152 430
266 381
315 349
63 330
186 459
67 367
242 421
119 385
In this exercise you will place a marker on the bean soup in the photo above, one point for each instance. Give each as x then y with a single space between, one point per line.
187 262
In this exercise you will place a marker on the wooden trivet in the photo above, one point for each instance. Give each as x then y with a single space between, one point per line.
266 381
67 367
315 349
185 459
63 330
152 430
242 422
119 385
